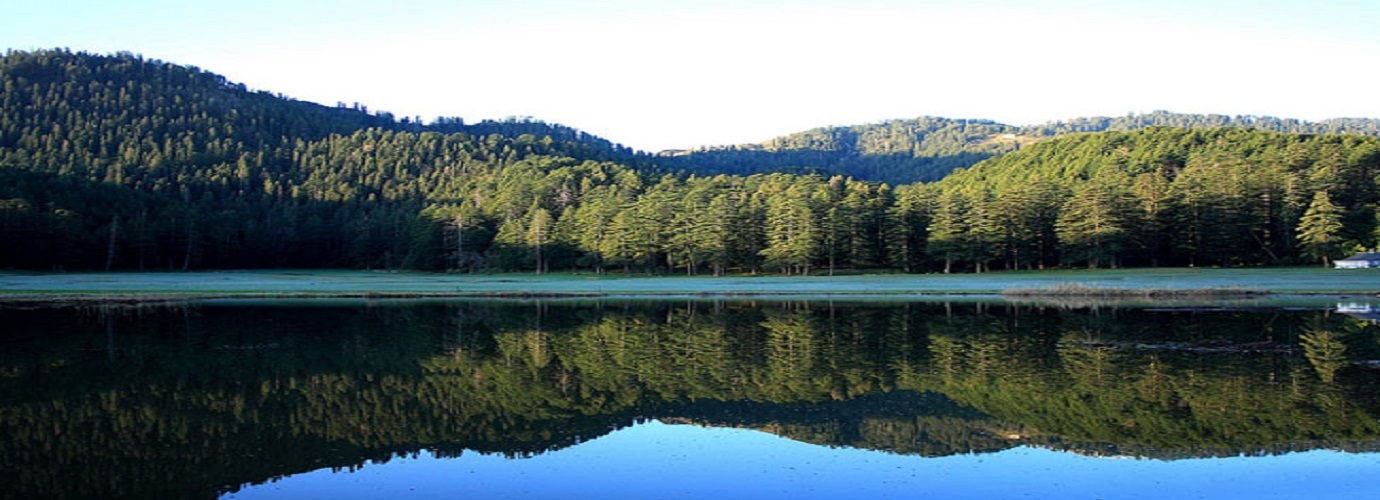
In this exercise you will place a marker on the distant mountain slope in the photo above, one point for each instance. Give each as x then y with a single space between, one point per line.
896 151
1358 126
929 148
124 162
98 99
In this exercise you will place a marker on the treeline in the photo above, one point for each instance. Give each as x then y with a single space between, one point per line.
929 148
1357 126
895 152
1161 196
116 162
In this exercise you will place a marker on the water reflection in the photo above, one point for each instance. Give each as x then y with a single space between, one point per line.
1361 311
198 400
655 460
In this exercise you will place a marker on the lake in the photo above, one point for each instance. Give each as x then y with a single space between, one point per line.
506 398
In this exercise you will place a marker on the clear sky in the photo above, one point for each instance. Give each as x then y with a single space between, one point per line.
656 74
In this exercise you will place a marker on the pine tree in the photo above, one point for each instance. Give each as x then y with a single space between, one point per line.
792 231
539 229
1319 231
905 225
690 238
949 229
1094 225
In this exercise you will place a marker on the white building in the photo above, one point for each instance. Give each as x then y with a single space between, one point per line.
1361 260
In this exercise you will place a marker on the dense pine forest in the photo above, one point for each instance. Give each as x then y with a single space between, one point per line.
927 149
895 152
121 162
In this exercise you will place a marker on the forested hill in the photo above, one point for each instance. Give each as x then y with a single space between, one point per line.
117 162
929 148
1358 126
1222 196
124 162
96 100
896 152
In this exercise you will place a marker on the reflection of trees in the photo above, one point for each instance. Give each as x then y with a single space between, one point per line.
791 352
250 396
947 357
1156 384
1325 351
1107 387
1089 365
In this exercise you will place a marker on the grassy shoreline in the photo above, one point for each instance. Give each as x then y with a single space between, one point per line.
1147 284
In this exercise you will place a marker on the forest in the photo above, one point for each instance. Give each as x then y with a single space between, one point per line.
117 162
926 149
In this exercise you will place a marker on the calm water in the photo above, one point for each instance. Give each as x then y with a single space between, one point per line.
513 399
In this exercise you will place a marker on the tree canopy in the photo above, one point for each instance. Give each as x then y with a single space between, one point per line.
120 162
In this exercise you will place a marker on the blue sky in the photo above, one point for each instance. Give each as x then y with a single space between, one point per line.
676 74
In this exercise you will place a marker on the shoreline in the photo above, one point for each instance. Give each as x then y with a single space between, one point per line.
1149 285
82 299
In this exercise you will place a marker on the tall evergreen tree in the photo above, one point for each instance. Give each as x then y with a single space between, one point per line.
792 230
949 238
907 220
1095 225
1319 230
539 230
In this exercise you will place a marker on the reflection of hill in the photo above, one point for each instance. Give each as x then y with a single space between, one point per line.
186 402
905 422
932 425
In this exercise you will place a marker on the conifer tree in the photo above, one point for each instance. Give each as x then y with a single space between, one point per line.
906 224
1095 225
539 230
792 232
949 229
1319 231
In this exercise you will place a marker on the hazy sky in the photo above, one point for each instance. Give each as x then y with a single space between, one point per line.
676 74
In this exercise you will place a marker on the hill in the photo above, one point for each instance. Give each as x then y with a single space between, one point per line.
896 151
124 162
119 162
926 149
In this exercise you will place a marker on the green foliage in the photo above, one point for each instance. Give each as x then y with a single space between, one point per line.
950 229
1320 227
1227 196
1095 224
1325 351
117 162
927 149
204 173
191 401
1358 126
895 152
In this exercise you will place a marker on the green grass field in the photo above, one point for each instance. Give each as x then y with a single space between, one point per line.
1312 280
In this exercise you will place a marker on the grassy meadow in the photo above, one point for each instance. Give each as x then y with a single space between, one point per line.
337 283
